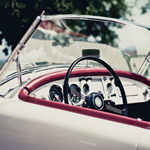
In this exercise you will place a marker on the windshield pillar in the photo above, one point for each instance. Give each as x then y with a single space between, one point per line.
144 65
19 71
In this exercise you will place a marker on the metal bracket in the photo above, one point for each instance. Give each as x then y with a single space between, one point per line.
19 71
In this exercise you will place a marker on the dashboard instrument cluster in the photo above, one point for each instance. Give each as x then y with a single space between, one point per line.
80 87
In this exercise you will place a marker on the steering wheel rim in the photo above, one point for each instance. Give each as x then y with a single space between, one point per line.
112 72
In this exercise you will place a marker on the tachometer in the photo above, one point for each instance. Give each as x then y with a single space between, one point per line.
73 98
55 93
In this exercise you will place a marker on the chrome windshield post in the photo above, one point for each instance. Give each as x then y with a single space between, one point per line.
144 65
19 71
20 46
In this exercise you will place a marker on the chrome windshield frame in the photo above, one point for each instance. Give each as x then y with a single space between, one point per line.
94 18
18 49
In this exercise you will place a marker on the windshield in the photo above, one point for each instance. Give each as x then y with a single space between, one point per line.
61 41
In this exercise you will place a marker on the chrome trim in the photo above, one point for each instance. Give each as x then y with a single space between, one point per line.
144 65
94 18
18 49
19 71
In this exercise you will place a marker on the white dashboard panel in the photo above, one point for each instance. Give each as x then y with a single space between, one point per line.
104 84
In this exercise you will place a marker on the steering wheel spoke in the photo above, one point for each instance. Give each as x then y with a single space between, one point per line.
113 109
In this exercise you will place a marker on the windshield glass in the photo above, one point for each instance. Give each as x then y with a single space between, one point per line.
58 42
62 41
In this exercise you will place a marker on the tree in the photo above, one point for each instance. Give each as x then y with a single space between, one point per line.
145 8
17 15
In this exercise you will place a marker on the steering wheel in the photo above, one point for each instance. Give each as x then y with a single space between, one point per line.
96 100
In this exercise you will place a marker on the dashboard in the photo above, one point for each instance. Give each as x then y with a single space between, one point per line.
91 88
85 85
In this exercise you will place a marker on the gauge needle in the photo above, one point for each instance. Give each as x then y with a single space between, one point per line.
57 97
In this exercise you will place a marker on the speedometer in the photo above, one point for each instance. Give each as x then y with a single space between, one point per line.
55 93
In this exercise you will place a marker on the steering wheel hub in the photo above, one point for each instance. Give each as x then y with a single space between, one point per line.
96 101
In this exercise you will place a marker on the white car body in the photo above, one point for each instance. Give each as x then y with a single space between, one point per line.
30 120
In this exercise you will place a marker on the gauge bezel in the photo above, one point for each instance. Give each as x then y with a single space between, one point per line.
78 89
53 88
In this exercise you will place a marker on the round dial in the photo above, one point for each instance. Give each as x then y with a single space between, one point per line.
86 88
74 94
55 93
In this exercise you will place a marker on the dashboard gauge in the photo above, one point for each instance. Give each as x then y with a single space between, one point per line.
109 88
74 95
55 93
86 88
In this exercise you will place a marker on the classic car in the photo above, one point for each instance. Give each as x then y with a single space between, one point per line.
77 82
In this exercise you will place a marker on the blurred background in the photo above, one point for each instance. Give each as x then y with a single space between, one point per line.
17 15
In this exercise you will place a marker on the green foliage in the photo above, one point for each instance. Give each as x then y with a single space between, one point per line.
145 8
17 15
